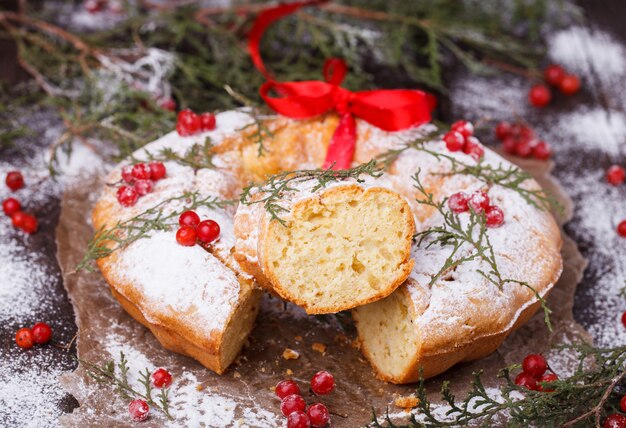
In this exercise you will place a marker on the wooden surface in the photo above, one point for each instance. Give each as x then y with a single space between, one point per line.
607 15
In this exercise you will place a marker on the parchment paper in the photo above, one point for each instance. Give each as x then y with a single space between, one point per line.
279 326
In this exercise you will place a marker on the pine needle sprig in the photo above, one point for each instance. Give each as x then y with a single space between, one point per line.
157 218
107 374
272 191
258 131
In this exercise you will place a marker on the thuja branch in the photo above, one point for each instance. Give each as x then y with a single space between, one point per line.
107 373
271 192
157 218
198 156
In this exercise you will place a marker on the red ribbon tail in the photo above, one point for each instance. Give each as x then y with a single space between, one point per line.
342 145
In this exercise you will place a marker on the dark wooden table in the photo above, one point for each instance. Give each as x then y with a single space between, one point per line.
571 159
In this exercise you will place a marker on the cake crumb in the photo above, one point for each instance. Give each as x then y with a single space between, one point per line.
289 372
299 338
407 402
319 347
290 354
237 375
199 387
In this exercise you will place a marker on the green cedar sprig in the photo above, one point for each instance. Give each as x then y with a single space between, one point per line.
198 156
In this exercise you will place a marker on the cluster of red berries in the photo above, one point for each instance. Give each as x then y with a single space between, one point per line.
140 178
461 138
139 408
534 369
616 175
193 230
40 334
478 202
293 405
555 76
190 123
519 139
95 6
12 207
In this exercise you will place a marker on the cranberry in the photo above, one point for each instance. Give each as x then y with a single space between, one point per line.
292 403
479 201
541 150
547 378
141 171
569 85
463 127
207 121
523 149
143 187
168 104
18 218
161 378
186 236
93 6
14 180
298 419
286 387
624 319
318 415
615 421
474 149
188 123
208 231
41 333
29 224
526 380
454 141
621 229
535 365
189 218
322 383
24 338
458 202
503 130
157 170
539 95
127 174
494 216
523 132
509 145
553 74
139 410
10 206
127 196
622 404
615 175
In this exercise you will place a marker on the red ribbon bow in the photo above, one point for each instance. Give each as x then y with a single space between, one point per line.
390 110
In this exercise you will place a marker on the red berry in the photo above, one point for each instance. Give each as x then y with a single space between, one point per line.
18 218
550 377
41 333
189 218
188 123
14 180
139 410
322 383
143 187
522 132
318 415
29 224
479 201
161 378
523 149
569 85
141 171
10 206
615 175
298 419
207 121
622 404
553 74
509 145
186 236
93 6
503 130
463 127
24 338
526 380
473 148
615 421
127 196
208 231
494 216
458 202
454 141
621 229
168 104
539 95
287 387
157 170
541 150
535 365
292 403
624 319
127 174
